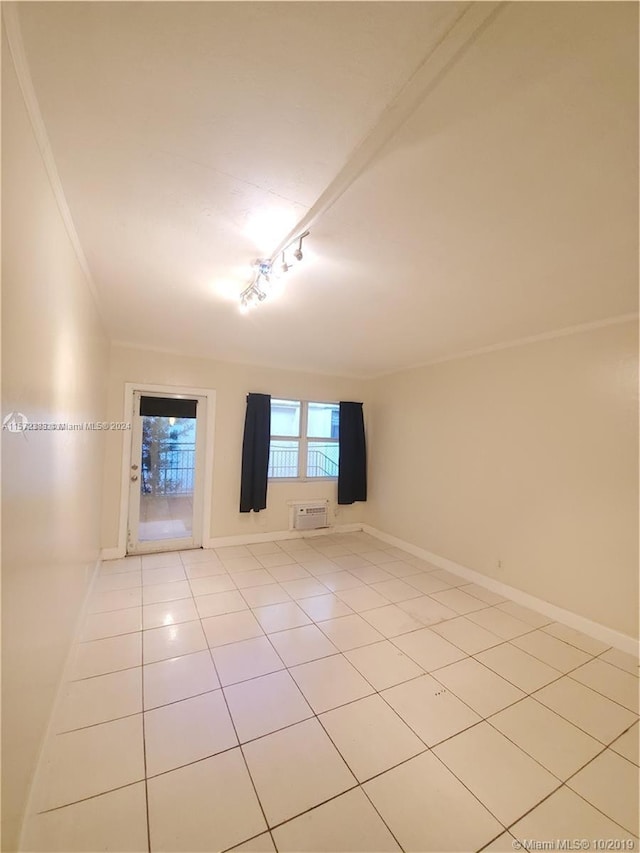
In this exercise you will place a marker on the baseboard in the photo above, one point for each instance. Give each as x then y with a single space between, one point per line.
252 538
278 535
587 626
28 811
112 553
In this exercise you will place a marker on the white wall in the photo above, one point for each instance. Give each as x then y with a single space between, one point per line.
527 456
54 369
232 383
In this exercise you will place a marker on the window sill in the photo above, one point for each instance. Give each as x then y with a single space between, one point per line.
302 480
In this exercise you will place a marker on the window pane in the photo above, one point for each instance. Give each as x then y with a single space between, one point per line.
285 417
283 459
322 458
167 477
323 420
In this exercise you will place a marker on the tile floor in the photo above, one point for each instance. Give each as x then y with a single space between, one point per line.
331 694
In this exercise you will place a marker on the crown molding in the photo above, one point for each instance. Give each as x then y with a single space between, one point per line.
18 55
518 342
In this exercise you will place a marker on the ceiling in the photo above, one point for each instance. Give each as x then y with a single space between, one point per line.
479 201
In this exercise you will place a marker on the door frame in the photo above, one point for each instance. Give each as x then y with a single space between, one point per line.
207 497
169 543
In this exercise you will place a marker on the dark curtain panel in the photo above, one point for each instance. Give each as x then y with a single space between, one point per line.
352 466
255 453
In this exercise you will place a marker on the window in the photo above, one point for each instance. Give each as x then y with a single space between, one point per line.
304 440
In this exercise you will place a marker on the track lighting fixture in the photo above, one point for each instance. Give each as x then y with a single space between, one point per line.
260 286
284 266
258 289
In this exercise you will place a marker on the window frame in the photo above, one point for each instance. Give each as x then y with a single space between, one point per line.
304 441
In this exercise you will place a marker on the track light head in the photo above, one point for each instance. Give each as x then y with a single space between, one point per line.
298 252
262 286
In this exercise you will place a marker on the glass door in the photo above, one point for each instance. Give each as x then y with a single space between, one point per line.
165 496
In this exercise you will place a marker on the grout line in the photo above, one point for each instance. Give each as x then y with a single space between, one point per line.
173 701
432 626
532 757
194 761
239 746
101 674
115 609
315 716
382 639
248 840
600 657
533 696
599 692
99 723
90 797
144 749
343 653
539 803
427 747
592 805
562 782
609 817
316 806
574 645
568 673
464 785
586 764
617 738
375 808
486 846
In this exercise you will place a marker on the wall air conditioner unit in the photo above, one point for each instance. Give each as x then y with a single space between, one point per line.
311 516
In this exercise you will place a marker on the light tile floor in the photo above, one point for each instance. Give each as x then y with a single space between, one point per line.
331 694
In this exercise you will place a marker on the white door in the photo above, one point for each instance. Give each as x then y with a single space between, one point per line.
167 473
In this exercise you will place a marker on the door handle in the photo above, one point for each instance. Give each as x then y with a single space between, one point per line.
134 477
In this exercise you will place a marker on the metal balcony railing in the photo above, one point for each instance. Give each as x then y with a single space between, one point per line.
283 462
319 464
169 469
